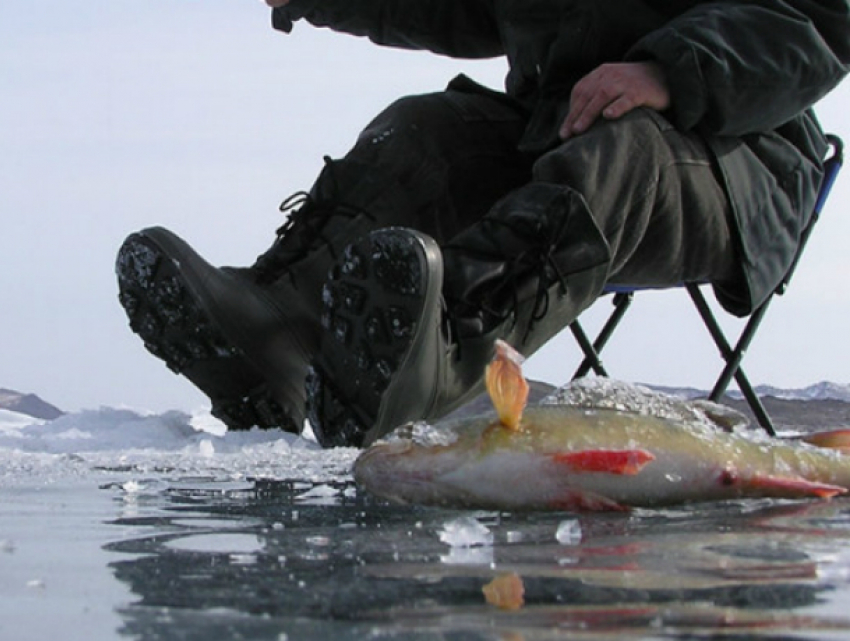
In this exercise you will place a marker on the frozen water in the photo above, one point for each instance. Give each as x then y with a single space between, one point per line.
12 421
109 438
124 524
422 433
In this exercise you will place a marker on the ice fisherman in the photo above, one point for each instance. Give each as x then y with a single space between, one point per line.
646 142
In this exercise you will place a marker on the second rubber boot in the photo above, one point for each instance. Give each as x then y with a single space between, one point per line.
521 274
383 338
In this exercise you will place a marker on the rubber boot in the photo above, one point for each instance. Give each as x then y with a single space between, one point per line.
383 331
398 354
245 336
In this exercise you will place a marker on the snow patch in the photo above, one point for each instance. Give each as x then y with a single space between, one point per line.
423 434
149 445
605 393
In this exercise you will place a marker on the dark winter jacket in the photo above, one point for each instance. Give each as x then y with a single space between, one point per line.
741 73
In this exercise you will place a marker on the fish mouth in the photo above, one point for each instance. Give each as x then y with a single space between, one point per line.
398 447
386 470
380 461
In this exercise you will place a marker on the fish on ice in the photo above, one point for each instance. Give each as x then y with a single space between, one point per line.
611 448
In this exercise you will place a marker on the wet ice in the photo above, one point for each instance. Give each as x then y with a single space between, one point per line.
184 530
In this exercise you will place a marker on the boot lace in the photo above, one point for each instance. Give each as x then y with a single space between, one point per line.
537 261
304 231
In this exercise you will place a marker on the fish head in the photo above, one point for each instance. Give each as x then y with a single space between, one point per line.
406 466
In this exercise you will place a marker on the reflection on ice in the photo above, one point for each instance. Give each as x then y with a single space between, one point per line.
361 567
468 556
224 542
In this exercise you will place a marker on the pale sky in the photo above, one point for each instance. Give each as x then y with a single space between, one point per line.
196 115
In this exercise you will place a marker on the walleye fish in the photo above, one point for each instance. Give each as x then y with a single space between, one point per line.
598 455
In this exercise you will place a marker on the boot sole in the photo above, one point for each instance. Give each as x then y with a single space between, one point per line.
377 311
166 315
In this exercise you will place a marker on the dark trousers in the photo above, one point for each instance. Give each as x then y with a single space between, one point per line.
651 189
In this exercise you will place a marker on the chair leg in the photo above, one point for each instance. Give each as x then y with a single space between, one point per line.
591 355
734 357
592 360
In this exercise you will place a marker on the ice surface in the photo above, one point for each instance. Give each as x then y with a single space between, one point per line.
122 524
177 442
11 421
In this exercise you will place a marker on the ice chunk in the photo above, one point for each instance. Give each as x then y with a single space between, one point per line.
568 532
203 421
132 487
466 532
422 433
318 492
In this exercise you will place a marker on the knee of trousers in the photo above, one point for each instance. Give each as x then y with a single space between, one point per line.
453 153
613 155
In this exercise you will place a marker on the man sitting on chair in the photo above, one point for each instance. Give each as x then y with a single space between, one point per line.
648 142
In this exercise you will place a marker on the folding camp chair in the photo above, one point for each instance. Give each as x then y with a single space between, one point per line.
623 295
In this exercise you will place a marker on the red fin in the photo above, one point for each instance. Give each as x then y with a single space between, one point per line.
794 487
612 461
833 439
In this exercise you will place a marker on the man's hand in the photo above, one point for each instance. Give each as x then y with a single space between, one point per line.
611 91
276 3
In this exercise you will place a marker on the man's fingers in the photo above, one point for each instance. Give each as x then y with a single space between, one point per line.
587 102
618 108
580 119
613 90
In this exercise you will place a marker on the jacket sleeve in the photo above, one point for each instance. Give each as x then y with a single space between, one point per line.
738 67
456 28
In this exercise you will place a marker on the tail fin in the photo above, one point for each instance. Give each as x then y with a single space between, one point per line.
832 439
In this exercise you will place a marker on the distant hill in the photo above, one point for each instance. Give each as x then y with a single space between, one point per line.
820 405
823 391
28 404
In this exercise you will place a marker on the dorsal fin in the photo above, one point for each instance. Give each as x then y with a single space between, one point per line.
506 385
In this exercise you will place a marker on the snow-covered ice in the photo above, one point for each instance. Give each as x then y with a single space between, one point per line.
177 442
